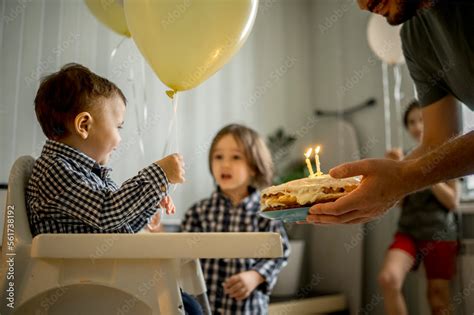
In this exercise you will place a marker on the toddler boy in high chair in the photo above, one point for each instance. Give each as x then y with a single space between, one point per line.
70 190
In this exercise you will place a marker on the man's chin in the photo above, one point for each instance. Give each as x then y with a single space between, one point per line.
397 20
406 10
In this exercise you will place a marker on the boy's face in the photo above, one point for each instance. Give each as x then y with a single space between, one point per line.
230 167
104 136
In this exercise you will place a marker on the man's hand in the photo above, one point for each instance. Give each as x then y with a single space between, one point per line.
383 184
241 285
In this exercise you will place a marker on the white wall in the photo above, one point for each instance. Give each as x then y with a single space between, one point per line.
322 41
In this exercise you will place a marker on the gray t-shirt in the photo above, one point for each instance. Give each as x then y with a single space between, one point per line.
423 217
438 45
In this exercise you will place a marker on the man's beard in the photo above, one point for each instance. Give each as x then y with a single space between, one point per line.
406 10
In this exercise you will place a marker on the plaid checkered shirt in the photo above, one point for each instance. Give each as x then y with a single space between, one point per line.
217 214
69 192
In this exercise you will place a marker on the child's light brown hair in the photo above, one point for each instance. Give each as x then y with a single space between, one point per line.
256 152
64 94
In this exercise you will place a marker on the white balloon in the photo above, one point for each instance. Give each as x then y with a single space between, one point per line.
384 40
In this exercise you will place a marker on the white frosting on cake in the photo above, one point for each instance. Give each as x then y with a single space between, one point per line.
306 190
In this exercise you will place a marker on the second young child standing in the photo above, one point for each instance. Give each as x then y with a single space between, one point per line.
427 232
240 163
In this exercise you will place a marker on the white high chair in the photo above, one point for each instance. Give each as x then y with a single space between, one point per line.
108 273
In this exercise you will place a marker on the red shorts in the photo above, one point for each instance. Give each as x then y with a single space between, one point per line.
439 257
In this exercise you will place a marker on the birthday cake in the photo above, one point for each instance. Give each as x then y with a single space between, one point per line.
306 192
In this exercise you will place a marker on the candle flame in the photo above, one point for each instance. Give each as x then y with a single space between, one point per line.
308 153
317 149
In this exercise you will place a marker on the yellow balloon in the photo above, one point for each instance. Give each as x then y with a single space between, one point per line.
187 41
110 13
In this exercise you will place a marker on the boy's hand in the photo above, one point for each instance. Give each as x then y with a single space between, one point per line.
168 204
241 285
394 154
154 225
173 166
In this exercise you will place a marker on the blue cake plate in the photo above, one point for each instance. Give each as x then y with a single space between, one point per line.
286 215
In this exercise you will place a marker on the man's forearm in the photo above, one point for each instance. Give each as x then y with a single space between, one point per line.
453 159
441 121
424 148
419 151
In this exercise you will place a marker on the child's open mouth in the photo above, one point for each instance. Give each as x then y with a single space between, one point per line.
226 176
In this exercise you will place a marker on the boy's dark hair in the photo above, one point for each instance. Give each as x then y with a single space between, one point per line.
256 151
64 94
413 105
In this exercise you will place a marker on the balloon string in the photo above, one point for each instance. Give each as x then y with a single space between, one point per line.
176 129
145 100
386 106
175 118
397 97
131 79
173 122
114 51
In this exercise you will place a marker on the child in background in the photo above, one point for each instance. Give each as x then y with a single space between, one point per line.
240 163
427 232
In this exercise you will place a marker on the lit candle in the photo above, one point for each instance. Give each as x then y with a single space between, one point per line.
308 162
318 165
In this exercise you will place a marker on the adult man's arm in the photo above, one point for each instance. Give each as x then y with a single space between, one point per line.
385 181
442 121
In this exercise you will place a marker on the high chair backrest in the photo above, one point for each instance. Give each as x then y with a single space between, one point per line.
16 219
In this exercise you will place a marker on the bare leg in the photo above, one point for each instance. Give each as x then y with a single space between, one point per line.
396 266
439 297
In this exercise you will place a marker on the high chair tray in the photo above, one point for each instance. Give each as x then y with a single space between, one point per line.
158 245
286 215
